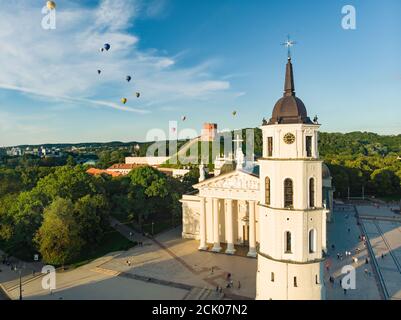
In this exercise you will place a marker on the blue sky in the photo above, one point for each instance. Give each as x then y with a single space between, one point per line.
198 58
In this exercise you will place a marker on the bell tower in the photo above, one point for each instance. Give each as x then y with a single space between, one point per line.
292 219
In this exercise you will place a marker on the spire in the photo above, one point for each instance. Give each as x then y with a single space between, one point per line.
289 87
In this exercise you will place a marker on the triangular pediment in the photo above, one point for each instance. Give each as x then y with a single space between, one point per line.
234 180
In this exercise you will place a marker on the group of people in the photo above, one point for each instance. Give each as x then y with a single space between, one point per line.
229 284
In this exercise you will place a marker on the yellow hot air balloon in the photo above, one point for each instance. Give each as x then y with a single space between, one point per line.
51 5
124 100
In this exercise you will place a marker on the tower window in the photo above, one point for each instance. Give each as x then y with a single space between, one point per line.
317 280
308 146
267 191
311 192
270 146
287 242
312 241
272 277
295 282
288 193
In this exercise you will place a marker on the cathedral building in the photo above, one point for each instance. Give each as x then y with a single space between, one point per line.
275 210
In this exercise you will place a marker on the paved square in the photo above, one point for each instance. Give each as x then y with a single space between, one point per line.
385 240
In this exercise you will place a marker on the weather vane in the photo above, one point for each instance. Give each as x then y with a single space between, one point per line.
289 43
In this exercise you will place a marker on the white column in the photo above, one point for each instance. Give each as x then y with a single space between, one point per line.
229 227
252 231
216 233
202 222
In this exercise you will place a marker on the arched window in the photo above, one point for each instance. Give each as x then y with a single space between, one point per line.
267 191
312 241
288 193
270 146
287 242
272 277
295 282
311 192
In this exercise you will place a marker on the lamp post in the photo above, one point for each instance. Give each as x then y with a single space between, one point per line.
19 270
153 232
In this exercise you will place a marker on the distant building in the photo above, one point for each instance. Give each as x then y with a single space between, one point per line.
209 132
15 152
150 161
123 168
175 173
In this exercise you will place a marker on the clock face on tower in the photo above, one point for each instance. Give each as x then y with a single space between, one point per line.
289 138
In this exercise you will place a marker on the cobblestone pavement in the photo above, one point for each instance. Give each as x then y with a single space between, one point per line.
384 237
168 257
344 234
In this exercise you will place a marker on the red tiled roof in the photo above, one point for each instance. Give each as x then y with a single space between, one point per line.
124 166
97 172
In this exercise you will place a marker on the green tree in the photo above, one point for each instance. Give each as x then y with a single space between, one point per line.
385 181
92 218
58 239
148 192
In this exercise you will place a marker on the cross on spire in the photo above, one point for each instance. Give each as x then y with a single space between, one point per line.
289 43
238 141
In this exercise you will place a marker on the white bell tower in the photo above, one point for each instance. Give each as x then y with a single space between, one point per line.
292 219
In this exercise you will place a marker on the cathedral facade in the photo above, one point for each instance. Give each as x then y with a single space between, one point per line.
276 210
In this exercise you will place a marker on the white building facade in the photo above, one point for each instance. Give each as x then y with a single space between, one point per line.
277 210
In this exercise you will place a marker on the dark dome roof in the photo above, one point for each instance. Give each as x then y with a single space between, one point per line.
289 109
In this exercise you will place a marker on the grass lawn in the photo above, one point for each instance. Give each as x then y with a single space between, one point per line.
112 242
390 198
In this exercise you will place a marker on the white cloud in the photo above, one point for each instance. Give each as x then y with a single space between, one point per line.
62 64
116 15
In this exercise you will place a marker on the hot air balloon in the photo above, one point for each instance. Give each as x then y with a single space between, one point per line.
137 94
234 113
184 118
51 5
107 47
101 49
99 71
124 100
128 78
